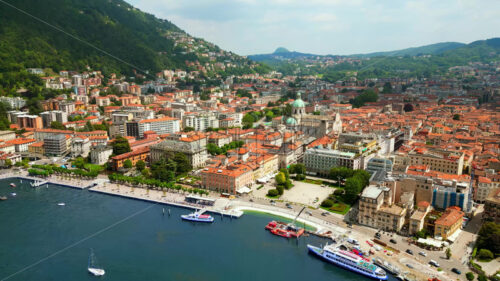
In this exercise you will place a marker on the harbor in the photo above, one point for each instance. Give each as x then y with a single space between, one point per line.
153 239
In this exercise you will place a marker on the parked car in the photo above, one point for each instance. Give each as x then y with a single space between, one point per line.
289 206
325 214
377 235
434 263
309 213
409 265
424 254
353 241
455 270
409 251
393 241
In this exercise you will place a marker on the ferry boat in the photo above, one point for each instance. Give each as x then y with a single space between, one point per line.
349 261
198 216
284 230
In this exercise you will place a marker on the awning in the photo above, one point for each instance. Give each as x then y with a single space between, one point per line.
244 189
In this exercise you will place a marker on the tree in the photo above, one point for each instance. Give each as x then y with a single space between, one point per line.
469 275
489 237
273 193
79 163
297 169
127 164
120 145
448 253
367 96
482 277
140 165
57 125
269 116
280 178
327 203
387 88
408 107
164 170
352 189
485 254
182 162
188 129
456 117
8 163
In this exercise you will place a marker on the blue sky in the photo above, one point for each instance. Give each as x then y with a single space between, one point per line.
329 26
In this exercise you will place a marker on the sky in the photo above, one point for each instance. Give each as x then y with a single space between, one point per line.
338 27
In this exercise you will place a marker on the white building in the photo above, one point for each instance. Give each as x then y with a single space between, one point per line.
80 146
99 155
56 115
320 161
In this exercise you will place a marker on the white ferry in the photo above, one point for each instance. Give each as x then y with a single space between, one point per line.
348 260
198 216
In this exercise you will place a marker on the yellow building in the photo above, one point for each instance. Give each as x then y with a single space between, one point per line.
448 223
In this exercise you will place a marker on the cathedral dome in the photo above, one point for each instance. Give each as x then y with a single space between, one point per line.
298 102
291 121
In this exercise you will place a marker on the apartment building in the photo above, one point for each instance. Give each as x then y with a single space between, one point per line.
193 145
376 209
56 145
319 161
163 125
440 161
227 180
484 188
100 154
448 223
417 219
29 121
133 156
200 122
51 116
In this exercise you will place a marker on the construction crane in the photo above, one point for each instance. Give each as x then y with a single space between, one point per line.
298 215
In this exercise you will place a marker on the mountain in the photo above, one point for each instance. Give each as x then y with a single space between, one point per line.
281 50
139 40
432 49
281 54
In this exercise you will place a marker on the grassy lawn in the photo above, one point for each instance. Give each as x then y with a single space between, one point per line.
320 182
92 167
338 208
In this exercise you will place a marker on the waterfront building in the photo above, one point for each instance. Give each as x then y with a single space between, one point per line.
319 161
192 144
13 157
21 144
80 146
227 180
133 156
36 150
377 209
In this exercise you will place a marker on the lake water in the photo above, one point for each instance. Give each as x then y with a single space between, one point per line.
132 240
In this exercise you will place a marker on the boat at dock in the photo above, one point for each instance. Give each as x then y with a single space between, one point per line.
349 261
3 198
12 184
198 217
37 183
287 230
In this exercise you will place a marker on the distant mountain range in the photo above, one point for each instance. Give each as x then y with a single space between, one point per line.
434 49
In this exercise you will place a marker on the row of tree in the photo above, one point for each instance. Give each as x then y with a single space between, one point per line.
154 183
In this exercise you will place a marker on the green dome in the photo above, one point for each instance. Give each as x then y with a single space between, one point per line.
298 102
291 121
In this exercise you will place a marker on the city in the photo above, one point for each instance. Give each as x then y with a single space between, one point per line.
399 167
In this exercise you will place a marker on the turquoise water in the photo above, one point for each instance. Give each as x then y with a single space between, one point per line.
132 240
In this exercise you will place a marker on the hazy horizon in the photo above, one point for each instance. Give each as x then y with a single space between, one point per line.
334 27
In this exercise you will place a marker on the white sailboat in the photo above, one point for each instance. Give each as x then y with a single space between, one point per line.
93 267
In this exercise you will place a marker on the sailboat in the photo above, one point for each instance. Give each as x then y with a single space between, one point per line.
93 267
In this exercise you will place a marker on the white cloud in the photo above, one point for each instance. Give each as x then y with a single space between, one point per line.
329 26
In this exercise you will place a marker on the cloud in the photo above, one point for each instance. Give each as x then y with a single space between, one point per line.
329 26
